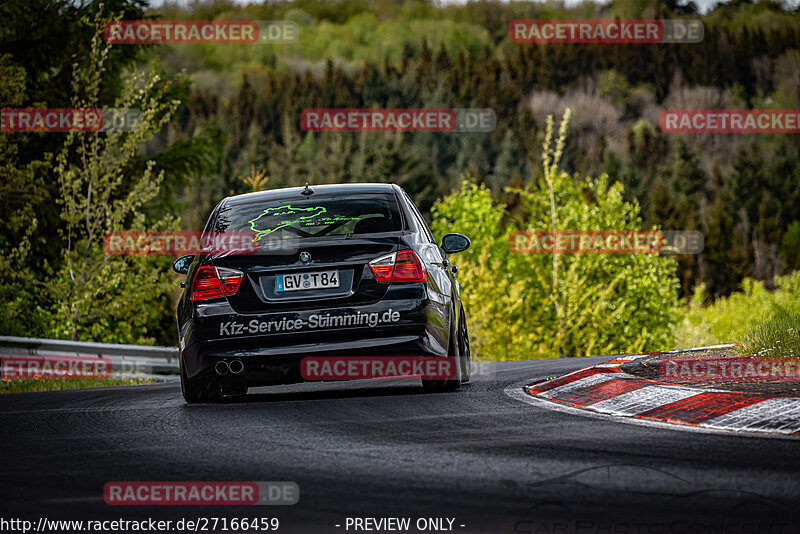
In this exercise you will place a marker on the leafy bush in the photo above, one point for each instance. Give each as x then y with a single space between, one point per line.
540 306
730 318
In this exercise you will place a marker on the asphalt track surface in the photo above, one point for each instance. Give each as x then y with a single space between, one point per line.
383 449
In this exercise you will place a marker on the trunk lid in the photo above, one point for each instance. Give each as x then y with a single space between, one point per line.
348 257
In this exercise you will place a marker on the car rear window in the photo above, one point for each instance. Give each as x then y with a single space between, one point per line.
312 218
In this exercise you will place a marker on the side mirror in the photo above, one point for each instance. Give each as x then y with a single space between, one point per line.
181 265
452 243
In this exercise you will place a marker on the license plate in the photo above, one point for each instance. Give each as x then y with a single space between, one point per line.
303 281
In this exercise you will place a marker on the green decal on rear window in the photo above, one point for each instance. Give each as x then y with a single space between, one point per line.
276 218
271 222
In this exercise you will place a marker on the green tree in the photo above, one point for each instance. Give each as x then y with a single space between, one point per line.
557 305
100 296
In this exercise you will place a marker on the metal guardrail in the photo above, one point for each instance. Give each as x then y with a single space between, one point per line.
126 360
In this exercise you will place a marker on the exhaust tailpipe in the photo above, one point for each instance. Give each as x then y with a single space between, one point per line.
236 367
221 367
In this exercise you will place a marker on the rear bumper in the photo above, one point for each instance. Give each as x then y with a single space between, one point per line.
271 346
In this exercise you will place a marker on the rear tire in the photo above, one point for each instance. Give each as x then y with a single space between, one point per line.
466 355
454 353
197 389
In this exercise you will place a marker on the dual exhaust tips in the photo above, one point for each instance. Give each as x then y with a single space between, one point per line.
234 367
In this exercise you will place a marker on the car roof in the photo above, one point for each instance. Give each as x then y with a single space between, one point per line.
294 192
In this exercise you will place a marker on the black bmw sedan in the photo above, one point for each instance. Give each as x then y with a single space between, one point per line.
340 275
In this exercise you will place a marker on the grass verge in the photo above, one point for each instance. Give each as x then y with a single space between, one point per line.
775 337
24 386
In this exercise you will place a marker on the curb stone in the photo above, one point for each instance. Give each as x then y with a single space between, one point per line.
605 388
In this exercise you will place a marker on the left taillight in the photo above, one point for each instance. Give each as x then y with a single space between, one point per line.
214 282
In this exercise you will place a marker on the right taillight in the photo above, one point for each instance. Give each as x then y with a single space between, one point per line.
214 282
403 266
